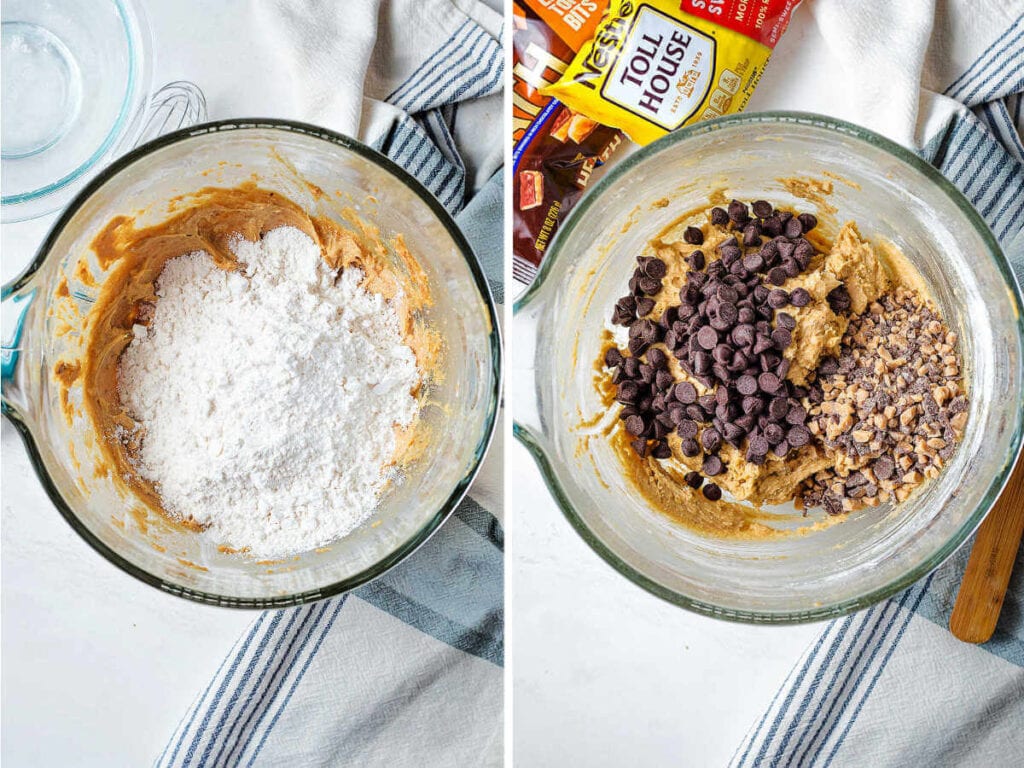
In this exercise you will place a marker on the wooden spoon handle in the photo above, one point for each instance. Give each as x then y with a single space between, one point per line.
988 570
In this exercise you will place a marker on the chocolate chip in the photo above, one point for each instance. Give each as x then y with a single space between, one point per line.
793 228
791 267
693 479
719 217
778 408
649 285
661 451
751 235
687 429
777 275
711 440
757 448
636 425
656 269
747 385
781 449
631 366
774 433
613 357
768 383
712 466
753 262
712 492
808 221
628 392
707 337
689 448
782 369
797 415
733 434
657 358
782 338
685 392
762 209
798 436
696 260
738 212
785 320
693 236
638 346
662 379
839 299
777 298
752 405
641 447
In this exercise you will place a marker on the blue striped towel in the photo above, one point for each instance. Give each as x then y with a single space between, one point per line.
891 686
406 670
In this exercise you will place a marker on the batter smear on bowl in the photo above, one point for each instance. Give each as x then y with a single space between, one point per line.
253 372
765 361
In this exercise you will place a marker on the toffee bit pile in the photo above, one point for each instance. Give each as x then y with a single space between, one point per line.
728 333
894 407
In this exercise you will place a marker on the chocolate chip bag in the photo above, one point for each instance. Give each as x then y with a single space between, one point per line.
555 149
654 66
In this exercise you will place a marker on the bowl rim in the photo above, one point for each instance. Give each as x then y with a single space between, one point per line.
432 524
31 204
843 607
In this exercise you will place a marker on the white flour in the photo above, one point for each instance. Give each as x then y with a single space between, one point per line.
268 396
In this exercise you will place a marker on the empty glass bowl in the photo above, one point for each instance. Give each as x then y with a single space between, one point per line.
77 91
891 194
315 168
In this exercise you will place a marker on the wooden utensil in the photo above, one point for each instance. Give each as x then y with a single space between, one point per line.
988 570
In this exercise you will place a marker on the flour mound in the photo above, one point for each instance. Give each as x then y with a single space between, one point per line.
268 396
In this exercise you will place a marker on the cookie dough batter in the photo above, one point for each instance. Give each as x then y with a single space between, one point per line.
208 222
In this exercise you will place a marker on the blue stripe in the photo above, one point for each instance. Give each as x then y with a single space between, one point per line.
451 63
278 615
417 76
988 58
257 705
885 660
220 692
818 677
1011 225
179 731
1003 189
410 134
875 647
305 634
994 88
833 647
810 659
967 150
847 672
984 56
298 677
454 73
467 90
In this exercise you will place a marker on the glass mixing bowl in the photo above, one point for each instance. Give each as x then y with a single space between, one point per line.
77 91
307 164
891 194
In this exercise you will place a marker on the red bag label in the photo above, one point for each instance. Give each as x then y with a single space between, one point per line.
760 20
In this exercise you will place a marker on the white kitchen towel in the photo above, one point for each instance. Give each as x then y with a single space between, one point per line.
891 686
406 670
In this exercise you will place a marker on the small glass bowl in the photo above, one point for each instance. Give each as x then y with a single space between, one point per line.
891 194
322 171
77 78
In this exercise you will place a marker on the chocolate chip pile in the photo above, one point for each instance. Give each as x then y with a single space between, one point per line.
729 332
893 402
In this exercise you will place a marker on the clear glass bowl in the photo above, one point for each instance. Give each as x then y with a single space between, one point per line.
77 91
558 322
285 156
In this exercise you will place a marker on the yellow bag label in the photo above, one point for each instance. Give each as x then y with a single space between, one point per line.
653 67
